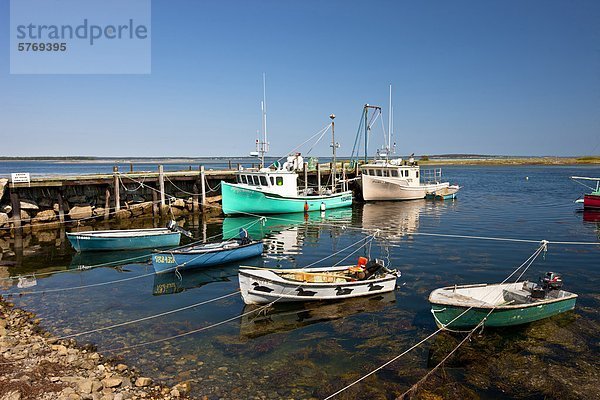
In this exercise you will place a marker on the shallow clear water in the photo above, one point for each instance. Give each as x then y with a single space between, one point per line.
312 351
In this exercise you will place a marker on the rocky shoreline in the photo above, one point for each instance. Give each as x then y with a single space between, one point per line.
36 365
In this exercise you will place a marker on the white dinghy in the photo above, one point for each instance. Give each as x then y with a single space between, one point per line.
264 285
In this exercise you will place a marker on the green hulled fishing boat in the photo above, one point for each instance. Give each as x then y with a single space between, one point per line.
506 303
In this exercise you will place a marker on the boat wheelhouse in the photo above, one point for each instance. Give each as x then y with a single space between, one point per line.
398 180
591 201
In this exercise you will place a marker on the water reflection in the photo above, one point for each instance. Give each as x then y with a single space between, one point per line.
285 234
290 316
93 259
394 219
171 283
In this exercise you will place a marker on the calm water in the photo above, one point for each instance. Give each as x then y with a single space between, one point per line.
312 351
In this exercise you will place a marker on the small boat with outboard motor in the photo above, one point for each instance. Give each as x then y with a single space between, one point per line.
502 304
207 254
266 285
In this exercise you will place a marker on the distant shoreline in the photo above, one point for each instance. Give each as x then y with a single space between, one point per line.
423 160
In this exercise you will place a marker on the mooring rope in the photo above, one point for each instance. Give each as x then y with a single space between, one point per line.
542 247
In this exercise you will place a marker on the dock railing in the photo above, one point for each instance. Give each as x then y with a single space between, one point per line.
433 175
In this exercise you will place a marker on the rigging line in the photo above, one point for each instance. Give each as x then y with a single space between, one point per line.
65 222
583 184
63 289
148 317
533 257
414 387
316 142
217 323
428 337
124 348
208 186
126 260
180 189
320 132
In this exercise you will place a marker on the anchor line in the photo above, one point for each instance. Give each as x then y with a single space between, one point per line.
543 246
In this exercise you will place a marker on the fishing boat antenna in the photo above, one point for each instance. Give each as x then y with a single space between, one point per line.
334 145
262 147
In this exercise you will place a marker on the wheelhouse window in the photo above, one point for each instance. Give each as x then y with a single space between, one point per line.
395 173
279 181
255 180
417 174
378 172
263 181
272 181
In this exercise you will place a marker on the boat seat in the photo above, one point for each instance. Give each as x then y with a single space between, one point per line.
518 296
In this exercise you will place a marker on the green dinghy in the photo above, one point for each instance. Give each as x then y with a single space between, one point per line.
509 303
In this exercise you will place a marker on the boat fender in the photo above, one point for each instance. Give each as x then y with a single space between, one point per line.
244 237
305 206
322 206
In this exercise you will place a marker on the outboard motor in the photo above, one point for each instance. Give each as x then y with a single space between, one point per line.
551 281
373 267
173 227
244 237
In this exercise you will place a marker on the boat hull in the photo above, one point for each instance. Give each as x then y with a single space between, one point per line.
262 286
168 261
241 200
377 188
123 239
501 316
591 201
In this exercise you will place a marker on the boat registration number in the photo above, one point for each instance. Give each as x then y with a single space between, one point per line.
164 259
346 198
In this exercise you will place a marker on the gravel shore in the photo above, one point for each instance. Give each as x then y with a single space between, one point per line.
35 365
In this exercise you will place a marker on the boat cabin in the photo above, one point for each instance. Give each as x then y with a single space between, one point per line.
393 169
279 182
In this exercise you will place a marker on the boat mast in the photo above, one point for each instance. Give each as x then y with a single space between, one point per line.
334 145
263 147
389 142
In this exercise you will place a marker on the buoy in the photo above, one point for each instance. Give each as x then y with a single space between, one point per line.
305 206
526 178
322 206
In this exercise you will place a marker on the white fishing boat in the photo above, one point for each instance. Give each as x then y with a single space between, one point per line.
264 285
393 179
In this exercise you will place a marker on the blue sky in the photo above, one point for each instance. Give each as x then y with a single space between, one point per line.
487 77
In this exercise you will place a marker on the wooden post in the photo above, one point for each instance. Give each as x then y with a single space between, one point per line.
202 187
238 166
130 167
229 164
305 177
116 184
161 183
106 204
16 210
155 212
61 208
344 184
319 178
195 204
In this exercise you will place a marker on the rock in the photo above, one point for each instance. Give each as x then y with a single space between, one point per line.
29 205
121 367
12 395
112 382
6 209
45 236
25 216
99 211
60 349
143 382
179 203
44 216
4 220
3 182
183 387
123 214
175 393
86 386
80 212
